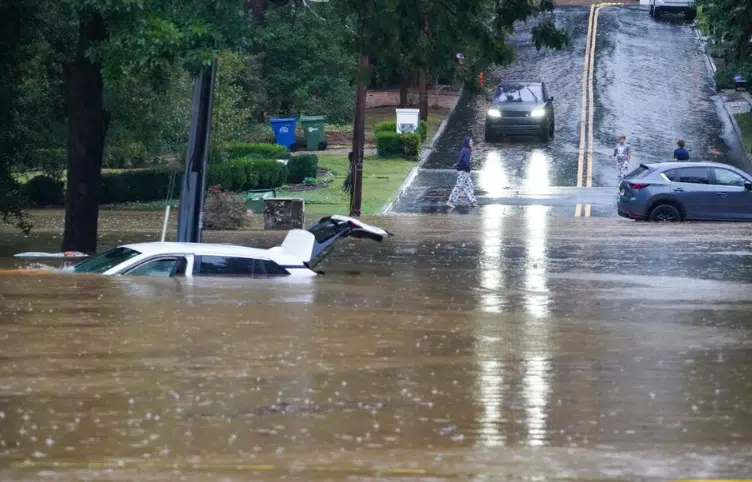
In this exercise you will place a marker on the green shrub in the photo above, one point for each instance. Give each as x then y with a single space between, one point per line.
391 144
411 144
724 76
423 129
271 173
135 186
130 154
43 191
302 166
236 150
388 144
224 209
231 175
386 126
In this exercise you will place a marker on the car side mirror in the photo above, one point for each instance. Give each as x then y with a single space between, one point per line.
551 98
748 185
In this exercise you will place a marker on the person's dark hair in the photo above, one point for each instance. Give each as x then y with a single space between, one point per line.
680 143
466 141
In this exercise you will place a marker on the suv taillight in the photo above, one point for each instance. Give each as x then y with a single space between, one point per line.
637 186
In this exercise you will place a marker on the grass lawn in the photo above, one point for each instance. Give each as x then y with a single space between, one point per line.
745 124
381 178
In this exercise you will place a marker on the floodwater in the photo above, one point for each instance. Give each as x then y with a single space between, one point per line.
650 83
464 348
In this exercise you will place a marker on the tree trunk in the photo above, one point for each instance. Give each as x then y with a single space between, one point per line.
87 126
359 136
257 9
404 100
423 95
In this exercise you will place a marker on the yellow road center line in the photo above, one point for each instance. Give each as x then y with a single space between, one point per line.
591 99
578 210
587 210
583 108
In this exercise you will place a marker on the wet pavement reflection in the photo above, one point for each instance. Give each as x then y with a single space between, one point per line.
650 83
494 347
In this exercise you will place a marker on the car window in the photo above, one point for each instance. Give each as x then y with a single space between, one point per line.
641 171
235 266
106 260
692 175
327 229
518 93
265 267
156 267
724 177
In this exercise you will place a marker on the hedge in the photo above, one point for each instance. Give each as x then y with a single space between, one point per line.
724 76
42 190
137 185
391 126
301 167
237 150
391 144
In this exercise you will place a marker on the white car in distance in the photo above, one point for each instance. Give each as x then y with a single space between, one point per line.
687 7
297 256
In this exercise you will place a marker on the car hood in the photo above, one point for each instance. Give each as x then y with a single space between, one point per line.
517 106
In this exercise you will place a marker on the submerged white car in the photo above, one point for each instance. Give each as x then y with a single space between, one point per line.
300 251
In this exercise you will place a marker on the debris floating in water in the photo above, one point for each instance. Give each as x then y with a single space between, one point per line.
64 254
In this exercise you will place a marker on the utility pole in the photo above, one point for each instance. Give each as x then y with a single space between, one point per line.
356 194
193 189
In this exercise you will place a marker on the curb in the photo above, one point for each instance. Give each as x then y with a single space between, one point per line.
423 157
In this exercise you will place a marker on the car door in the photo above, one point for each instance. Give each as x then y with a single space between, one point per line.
692 188
734 201
235 266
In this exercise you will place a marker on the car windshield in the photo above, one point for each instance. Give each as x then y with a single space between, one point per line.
105 261
519 93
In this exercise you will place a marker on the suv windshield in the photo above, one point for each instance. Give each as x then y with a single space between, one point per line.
105 261
519 93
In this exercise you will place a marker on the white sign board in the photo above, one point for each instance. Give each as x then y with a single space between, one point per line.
407 120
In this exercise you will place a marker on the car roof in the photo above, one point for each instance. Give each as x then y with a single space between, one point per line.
677 164
519 82
158 247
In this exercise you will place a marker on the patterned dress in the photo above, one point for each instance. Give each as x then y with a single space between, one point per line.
622 159
464 186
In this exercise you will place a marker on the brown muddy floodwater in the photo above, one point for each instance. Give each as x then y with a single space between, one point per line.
465 348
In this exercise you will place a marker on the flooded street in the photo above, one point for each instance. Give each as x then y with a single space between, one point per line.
650 82
492 347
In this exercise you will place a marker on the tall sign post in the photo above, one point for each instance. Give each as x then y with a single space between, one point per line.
193 189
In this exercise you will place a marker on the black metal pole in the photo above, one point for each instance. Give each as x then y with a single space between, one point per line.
193 190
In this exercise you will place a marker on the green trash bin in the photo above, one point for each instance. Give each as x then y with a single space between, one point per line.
254 200
315 136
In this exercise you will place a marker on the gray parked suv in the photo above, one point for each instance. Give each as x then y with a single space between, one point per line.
677 191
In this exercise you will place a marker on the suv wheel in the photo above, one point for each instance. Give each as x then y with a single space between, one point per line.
665 213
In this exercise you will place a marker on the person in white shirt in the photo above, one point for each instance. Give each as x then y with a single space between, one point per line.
623 155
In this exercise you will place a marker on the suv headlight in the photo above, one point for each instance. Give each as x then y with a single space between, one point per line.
538 112
494 112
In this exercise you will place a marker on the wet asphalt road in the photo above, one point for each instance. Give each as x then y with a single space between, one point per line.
650 83
466 348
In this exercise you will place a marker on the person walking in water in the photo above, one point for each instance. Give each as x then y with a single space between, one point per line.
623 155
680 153
464 183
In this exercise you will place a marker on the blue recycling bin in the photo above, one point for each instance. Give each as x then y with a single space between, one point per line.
284 130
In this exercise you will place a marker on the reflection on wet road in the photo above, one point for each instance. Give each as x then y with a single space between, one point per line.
507 347
650 83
